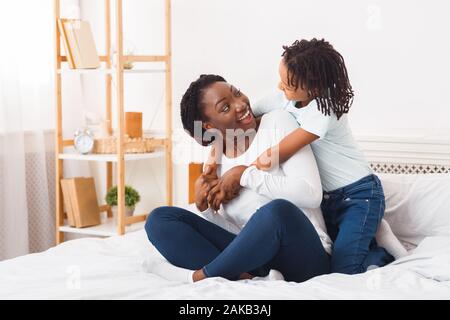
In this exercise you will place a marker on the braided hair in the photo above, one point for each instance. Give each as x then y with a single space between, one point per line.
192 107
317 67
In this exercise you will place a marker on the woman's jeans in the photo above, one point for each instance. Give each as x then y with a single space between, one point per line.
278 236
352 215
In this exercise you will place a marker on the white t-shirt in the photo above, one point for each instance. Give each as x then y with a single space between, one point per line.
338 157
296 180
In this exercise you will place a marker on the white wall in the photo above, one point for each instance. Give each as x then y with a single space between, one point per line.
396 54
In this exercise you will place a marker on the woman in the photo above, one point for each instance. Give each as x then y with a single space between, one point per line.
256 231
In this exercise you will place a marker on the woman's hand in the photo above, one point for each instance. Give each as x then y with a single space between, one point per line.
203 185
227 188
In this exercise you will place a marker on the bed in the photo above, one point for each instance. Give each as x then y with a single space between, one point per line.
418 210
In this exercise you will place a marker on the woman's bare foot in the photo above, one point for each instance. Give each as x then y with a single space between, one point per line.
245 276
200 275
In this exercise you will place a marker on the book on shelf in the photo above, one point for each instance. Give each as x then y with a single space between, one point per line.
79 44
81 203
65 186
62 31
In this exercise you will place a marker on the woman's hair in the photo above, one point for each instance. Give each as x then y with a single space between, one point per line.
317 67
192 107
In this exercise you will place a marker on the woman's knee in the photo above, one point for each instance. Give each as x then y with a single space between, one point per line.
280 210
156 219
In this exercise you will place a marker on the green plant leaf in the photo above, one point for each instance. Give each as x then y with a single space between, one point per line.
132 197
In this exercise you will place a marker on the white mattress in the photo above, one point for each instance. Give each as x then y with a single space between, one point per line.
113 269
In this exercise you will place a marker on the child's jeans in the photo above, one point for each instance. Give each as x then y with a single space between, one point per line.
352 215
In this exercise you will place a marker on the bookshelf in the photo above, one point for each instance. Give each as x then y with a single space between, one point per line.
64 148
108 71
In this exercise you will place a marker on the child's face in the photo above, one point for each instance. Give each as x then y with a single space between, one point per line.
290 92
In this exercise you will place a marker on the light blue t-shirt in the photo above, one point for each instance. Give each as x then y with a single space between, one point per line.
338 157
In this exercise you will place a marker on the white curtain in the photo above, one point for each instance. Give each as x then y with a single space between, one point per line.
26 122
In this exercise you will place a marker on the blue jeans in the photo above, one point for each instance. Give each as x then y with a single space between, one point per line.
352 215
278 236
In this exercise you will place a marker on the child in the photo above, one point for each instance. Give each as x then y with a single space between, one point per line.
317 91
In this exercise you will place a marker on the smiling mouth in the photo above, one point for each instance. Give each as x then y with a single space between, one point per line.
246 117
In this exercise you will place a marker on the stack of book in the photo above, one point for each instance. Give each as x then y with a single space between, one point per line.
79 44
80 200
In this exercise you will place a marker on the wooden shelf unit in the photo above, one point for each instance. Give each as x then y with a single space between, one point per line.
109 227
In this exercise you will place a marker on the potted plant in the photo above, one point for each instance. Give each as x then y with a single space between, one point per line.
132 197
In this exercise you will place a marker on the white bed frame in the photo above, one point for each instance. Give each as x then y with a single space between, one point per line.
401 155
388 154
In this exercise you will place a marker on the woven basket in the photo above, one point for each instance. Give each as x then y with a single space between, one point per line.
131 145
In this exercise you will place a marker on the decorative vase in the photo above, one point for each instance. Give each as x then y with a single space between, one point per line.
129 211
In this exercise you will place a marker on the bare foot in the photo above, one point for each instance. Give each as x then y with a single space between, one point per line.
245 276
200 275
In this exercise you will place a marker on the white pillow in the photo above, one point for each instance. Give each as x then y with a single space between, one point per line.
417 205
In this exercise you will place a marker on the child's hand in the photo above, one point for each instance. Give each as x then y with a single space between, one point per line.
227 188
267 160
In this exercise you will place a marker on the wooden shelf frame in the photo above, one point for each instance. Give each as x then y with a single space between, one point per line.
109 71
111 228
133 58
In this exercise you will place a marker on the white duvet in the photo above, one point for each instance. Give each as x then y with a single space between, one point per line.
112 268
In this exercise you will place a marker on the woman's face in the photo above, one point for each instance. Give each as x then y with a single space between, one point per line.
290 92
225 107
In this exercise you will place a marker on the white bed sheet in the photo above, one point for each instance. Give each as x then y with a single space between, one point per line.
112 268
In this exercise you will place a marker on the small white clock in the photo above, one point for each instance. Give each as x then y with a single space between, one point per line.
83 141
